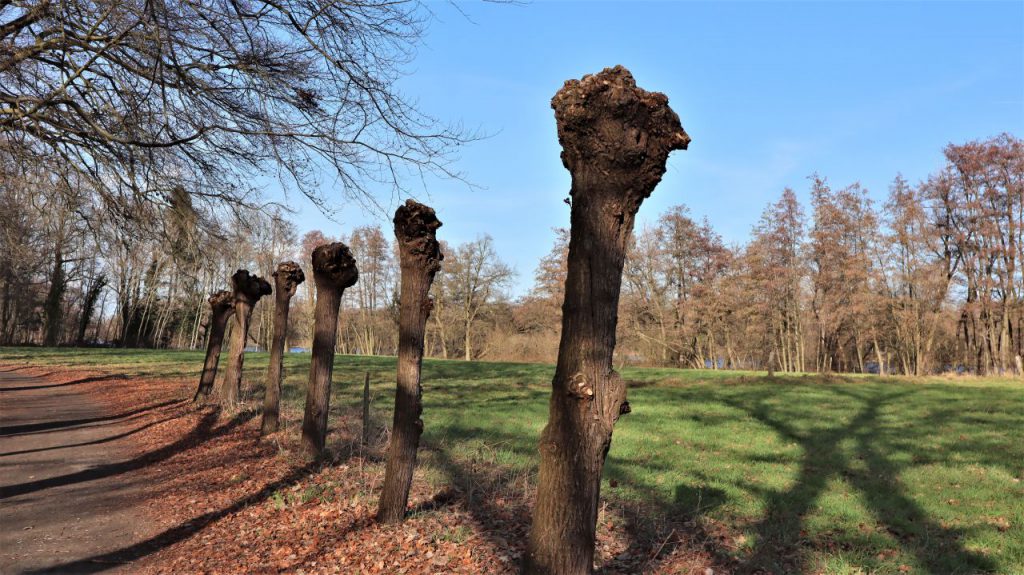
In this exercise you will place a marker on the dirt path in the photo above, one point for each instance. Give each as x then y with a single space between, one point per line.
63 499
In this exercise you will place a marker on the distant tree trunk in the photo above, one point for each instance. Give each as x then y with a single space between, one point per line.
879 357
55 299
334 270
92 294
247 290
615 139
420 254
222 306
286 281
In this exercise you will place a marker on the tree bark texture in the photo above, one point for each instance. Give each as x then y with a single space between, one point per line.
286 281
247 289
420 256
334 270
615 139
222 306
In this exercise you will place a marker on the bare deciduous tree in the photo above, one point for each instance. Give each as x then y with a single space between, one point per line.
141 97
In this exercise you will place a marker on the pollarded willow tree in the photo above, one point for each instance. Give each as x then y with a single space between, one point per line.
420 254
615 139
334 270
286 281
222 307
247 289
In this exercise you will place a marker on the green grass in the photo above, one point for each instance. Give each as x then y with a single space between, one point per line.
856 474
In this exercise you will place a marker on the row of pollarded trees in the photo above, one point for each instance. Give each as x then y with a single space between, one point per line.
616 139
334 271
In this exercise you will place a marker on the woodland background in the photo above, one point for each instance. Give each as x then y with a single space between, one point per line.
926 282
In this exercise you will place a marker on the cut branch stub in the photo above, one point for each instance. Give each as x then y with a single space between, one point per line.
287 279
222 302
415 228
607 125
334 264
249 288
334 270
222 306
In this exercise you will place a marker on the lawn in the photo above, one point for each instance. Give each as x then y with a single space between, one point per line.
842 474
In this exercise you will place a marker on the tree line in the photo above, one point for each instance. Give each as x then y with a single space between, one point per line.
927 281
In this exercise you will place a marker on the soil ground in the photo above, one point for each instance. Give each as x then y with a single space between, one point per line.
62 499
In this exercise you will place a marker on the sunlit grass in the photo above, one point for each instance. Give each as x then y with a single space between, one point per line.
841 474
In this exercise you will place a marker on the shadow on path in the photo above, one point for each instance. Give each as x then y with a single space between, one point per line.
94 442
204 431
115 377
102 562
65 423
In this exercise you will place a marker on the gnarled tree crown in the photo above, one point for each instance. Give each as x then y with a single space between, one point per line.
288 277
251 287
335 264
222 300
606 123
415 228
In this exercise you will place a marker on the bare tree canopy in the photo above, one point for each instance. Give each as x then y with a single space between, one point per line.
141 96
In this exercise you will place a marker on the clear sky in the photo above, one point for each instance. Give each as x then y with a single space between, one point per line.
769 92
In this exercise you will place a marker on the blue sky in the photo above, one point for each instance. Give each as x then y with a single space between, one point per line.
769 92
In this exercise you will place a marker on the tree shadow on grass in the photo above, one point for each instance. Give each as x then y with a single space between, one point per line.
499 500
661 531
780 542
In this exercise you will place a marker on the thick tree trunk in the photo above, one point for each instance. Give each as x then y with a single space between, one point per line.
222 306
247 290
334 270
286 281
615 139
420 255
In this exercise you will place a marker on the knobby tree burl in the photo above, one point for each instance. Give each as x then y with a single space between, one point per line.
286 281
420 256
334 270
247 289
615 140
222 305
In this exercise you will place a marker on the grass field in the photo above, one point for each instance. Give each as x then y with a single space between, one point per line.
855 474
